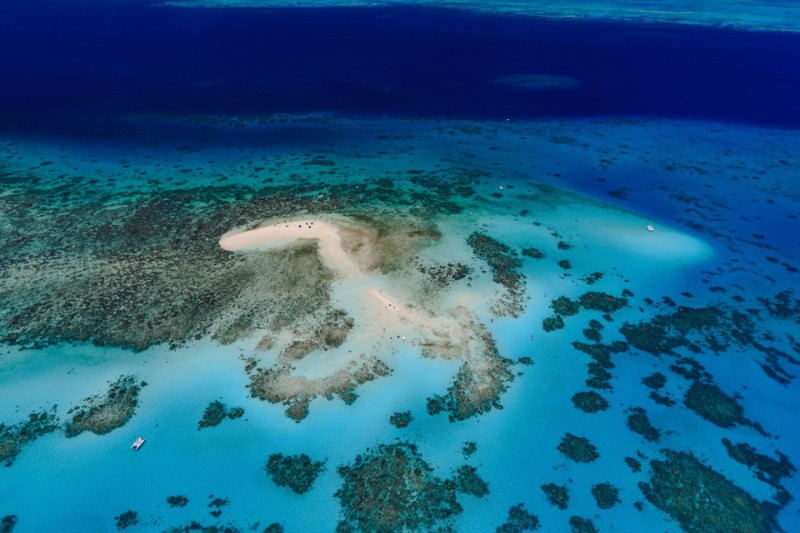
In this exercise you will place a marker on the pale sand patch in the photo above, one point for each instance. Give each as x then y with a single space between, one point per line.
280 235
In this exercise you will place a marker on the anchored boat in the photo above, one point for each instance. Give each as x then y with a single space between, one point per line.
137 443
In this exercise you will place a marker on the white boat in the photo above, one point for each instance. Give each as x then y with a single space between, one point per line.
137 443
650 228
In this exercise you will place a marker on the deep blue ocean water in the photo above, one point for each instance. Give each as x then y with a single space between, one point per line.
75 64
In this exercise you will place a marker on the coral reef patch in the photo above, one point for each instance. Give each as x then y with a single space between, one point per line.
605 495
297 472
519 520
391 487
103 414
589 402
7 523
557 495
505 267
177 501
401 419
126 520
701 499
216 412
579 449
14 437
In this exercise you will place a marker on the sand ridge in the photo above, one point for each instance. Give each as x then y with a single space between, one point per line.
279 235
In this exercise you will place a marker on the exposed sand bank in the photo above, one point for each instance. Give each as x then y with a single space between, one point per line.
280 235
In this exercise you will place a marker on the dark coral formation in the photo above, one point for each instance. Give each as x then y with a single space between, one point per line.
14 437
579 449
765 468
7 523
638 422
564 306
606 495
634 464
401 419
600 376
197 527
392 488
505 266
469 482
600 301
532 252
552 323
217 504
103 414
177 501
519 520
579 524
701 499
655 381
297 472
216 412
469 448
589 402
711 328
127 519
711 403
557 495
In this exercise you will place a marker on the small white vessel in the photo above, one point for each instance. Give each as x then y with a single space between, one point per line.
650 228
137 443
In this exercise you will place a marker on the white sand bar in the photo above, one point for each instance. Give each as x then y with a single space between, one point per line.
280 235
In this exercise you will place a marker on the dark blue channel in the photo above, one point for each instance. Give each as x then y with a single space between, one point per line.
71 66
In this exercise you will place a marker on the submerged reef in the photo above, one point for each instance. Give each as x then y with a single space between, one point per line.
578 524
701 499
519 520
14 437
177 501
392 488
196 527
589 402
505 266
557 495
127 519
103 414
600 301
606 495
401 419
469 482
600 376
297 472
579 449
708 401
765 468
713 329
638 422
216 412
7 523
